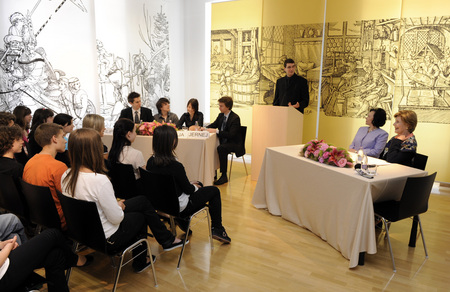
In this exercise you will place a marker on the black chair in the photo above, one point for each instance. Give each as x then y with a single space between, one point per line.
84 227
414 201
419 161
124 181
162 194
11 198
42 208
243 132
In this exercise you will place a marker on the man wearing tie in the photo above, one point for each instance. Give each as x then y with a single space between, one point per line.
291 90
136 113
227 126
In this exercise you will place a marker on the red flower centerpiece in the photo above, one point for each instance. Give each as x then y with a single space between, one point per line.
322 152
147 128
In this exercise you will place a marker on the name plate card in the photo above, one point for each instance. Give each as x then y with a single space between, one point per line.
193 134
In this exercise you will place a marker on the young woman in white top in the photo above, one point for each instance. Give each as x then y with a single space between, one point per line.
123 221
121 150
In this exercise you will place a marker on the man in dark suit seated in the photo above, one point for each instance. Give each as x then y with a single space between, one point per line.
291 90
227 126
136 113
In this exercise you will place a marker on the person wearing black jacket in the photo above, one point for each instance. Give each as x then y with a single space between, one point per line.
227 126
136 112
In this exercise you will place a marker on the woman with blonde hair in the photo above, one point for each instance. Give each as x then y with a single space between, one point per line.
402 147
96 122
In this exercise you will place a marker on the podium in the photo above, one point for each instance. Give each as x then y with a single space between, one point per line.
273 126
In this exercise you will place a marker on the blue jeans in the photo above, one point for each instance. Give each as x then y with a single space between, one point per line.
10 226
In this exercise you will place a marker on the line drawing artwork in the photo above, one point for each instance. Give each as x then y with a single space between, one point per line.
235 66
148 74
27 76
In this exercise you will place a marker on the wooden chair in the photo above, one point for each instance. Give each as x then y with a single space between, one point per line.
84 227
420 161
11 198
414 201
243 132
162 194
124 181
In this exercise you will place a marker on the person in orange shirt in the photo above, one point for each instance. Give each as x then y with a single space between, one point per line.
43 169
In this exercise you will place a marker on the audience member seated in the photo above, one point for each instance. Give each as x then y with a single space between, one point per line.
11 226
191 116
7 119
96 122
227 126
11 142
371 139
192 196
66 121
40 117
164 114
23 120
43 169
121 150
123 221
46 250
403 146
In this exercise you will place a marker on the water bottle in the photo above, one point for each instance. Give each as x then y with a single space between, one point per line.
364 163
196 126
360 156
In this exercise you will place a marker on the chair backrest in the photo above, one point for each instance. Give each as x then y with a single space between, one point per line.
83 222
161 191
243 133
415 196
11 197
42 208
419 161
123 180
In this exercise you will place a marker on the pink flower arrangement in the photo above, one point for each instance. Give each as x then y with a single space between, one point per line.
146 128
322 152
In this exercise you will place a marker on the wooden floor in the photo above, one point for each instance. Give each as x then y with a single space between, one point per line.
268 253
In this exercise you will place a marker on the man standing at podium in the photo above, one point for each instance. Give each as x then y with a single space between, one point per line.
291 90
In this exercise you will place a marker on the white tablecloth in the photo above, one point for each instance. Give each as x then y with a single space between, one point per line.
198 155
334 203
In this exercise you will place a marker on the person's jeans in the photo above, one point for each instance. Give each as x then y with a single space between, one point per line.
10 226
198 200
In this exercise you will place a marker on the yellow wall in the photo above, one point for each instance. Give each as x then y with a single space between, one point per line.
339 130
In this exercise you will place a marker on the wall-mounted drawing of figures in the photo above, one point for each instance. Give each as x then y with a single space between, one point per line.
146 72
26 73
235 65
424 65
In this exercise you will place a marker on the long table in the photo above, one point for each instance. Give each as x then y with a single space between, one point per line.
198 155
334 203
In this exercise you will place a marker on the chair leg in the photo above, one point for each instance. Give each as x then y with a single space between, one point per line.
119 268
184 242
423 238
389 241
245 165
231 166
173 226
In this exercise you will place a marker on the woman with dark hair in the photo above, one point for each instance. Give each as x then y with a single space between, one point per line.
123 221
23 119
402 148
191 196
66 121
41 116
371 139
11 142
164 114
191 117
121 151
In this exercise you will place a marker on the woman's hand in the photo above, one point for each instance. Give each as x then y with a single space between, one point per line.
121 204
10 244
352 150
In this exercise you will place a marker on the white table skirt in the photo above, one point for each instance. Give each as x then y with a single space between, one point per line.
198 155
334 203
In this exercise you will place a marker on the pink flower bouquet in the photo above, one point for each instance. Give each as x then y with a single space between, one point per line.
146 128
322 152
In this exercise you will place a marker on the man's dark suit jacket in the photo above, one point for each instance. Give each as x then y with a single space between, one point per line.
232 132
293 91
146 114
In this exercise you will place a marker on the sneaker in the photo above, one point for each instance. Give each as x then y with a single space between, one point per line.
174 245
138 270
223 179
220 234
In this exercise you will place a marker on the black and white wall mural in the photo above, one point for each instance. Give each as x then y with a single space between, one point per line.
83 56
394 64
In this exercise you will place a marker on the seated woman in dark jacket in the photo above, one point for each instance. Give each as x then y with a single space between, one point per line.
402 147
192 116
